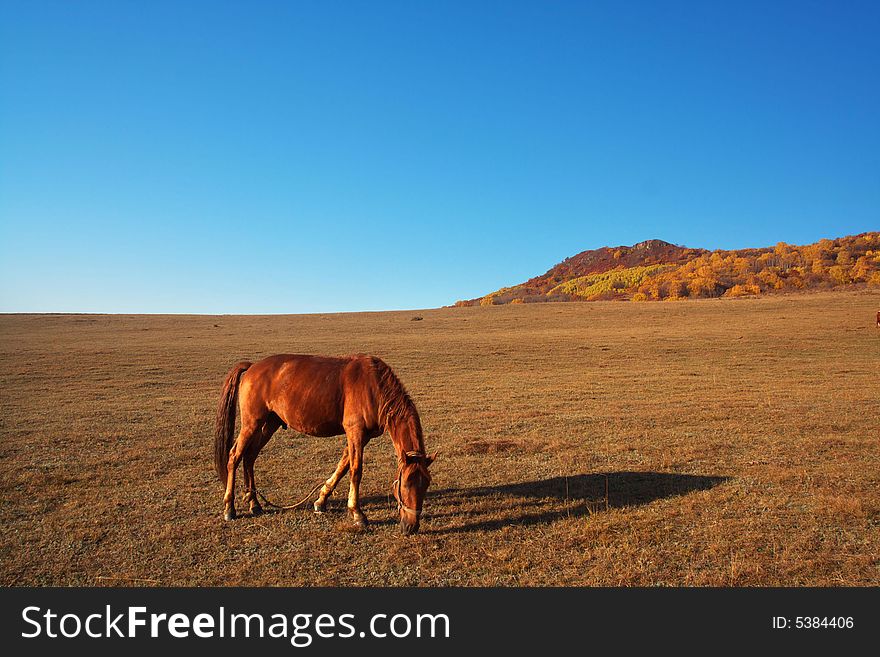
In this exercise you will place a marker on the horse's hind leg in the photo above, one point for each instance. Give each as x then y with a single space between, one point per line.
330 484
249 431
250 488
250 456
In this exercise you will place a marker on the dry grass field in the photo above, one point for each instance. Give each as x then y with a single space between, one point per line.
719 443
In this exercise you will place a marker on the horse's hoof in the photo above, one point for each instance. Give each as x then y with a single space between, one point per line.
256 510
229 514
320 508
358 519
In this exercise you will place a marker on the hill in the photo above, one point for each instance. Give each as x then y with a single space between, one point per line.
658 270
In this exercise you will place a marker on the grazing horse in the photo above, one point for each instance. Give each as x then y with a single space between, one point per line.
322 396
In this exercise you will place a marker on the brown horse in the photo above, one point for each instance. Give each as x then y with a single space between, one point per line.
321 396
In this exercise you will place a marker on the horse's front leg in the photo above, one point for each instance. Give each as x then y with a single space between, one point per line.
329 485
355 457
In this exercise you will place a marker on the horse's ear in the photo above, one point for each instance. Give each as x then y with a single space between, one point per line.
430 459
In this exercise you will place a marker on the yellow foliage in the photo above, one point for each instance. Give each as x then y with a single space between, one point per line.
742 291
595 285
839 274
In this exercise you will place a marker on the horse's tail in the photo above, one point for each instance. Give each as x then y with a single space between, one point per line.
224 428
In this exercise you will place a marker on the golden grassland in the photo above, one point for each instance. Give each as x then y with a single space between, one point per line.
710 442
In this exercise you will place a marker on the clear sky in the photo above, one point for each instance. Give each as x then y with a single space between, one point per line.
246 157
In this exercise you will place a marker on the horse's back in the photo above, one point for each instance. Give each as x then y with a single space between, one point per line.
312 370
310 394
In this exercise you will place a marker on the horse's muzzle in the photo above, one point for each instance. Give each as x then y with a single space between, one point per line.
408 528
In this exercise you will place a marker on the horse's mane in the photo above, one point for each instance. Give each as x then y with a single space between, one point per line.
395 404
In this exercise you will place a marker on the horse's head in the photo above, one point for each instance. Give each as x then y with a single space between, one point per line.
410 487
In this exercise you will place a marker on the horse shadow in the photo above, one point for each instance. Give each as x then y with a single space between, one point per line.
487 508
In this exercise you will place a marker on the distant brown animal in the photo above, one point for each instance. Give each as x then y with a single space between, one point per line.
878 318
359 396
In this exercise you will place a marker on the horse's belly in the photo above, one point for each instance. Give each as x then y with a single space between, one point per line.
309 418
325 430
320 430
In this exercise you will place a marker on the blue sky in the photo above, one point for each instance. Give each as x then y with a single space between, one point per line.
248 157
